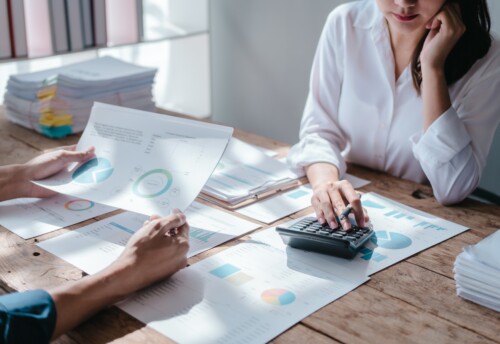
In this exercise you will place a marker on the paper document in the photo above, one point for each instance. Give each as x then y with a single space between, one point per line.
279 206
356 182
31 217
400 232
246 172
286 203
93 247
249 293
145 162
477 272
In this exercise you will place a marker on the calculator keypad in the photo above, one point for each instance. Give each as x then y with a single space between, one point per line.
311 225
310 235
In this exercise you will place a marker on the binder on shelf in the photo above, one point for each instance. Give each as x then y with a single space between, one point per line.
244 175
74 17
122 22
99 22
38 32
88 34
17 28
58 26
5 47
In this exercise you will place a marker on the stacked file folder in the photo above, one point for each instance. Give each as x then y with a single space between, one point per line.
477 272
246 174
57 102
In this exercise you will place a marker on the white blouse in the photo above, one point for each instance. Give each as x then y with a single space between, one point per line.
356 111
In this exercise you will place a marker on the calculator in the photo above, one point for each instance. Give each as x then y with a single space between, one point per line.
308 234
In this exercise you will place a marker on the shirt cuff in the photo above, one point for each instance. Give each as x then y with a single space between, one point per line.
312 149
443 140
27 317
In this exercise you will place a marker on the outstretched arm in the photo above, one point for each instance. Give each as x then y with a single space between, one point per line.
15 180
155 252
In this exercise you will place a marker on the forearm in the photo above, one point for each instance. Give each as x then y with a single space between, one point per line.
455 180
322 173
11 185
435 95
78 301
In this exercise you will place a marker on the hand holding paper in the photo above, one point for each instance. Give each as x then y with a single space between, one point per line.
144 162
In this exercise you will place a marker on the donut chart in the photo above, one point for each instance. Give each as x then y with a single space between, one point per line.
79 205
153 183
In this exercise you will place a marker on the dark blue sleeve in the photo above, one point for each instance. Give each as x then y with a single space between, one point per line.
27 317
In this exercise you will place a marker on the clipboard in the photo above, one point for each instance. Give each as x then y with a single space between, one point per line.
256 197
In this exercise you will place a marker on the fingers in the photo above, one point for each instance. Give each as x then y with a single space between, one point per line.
316 203
450 18
329 201
183 231
70 155
151 218
353 198
338 207
367 217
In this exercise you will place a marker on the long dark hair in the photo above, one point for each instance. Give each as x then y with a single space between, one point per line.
473 44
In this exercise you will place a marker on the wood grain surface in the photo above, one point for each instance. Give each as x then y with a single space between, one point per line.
413 301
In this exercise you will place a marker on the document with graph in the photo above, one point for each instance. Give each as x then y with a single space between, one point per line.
249 293
93 247
144 162
400 232
31 217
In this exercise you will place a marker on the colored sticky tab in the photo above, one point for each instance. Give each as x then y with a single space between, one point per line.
51 80
47 92
49 119
56 132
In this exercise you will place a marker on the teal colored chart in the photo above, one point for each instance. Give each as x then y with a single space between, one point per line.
370 204
153 183
391 240
93 171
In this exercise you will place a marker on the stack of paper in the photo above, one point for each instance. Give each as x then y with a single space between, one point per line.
477 272
57 102
244 173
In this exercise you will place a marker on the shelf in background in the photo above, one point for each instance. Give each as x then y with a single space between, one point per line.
169 36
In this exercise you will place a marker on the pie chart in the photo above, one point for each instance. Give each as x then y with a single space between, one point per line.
277 296
153 183
93 171
390 240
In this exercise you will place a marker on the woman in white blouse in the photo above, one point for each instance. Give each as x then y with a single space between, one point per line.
410 87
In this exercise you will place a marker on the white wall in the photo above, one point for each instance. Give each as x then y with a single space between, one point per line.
262 52
491 176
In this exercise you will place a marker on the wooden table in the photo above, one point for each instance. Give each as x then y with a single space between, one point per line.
412 301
